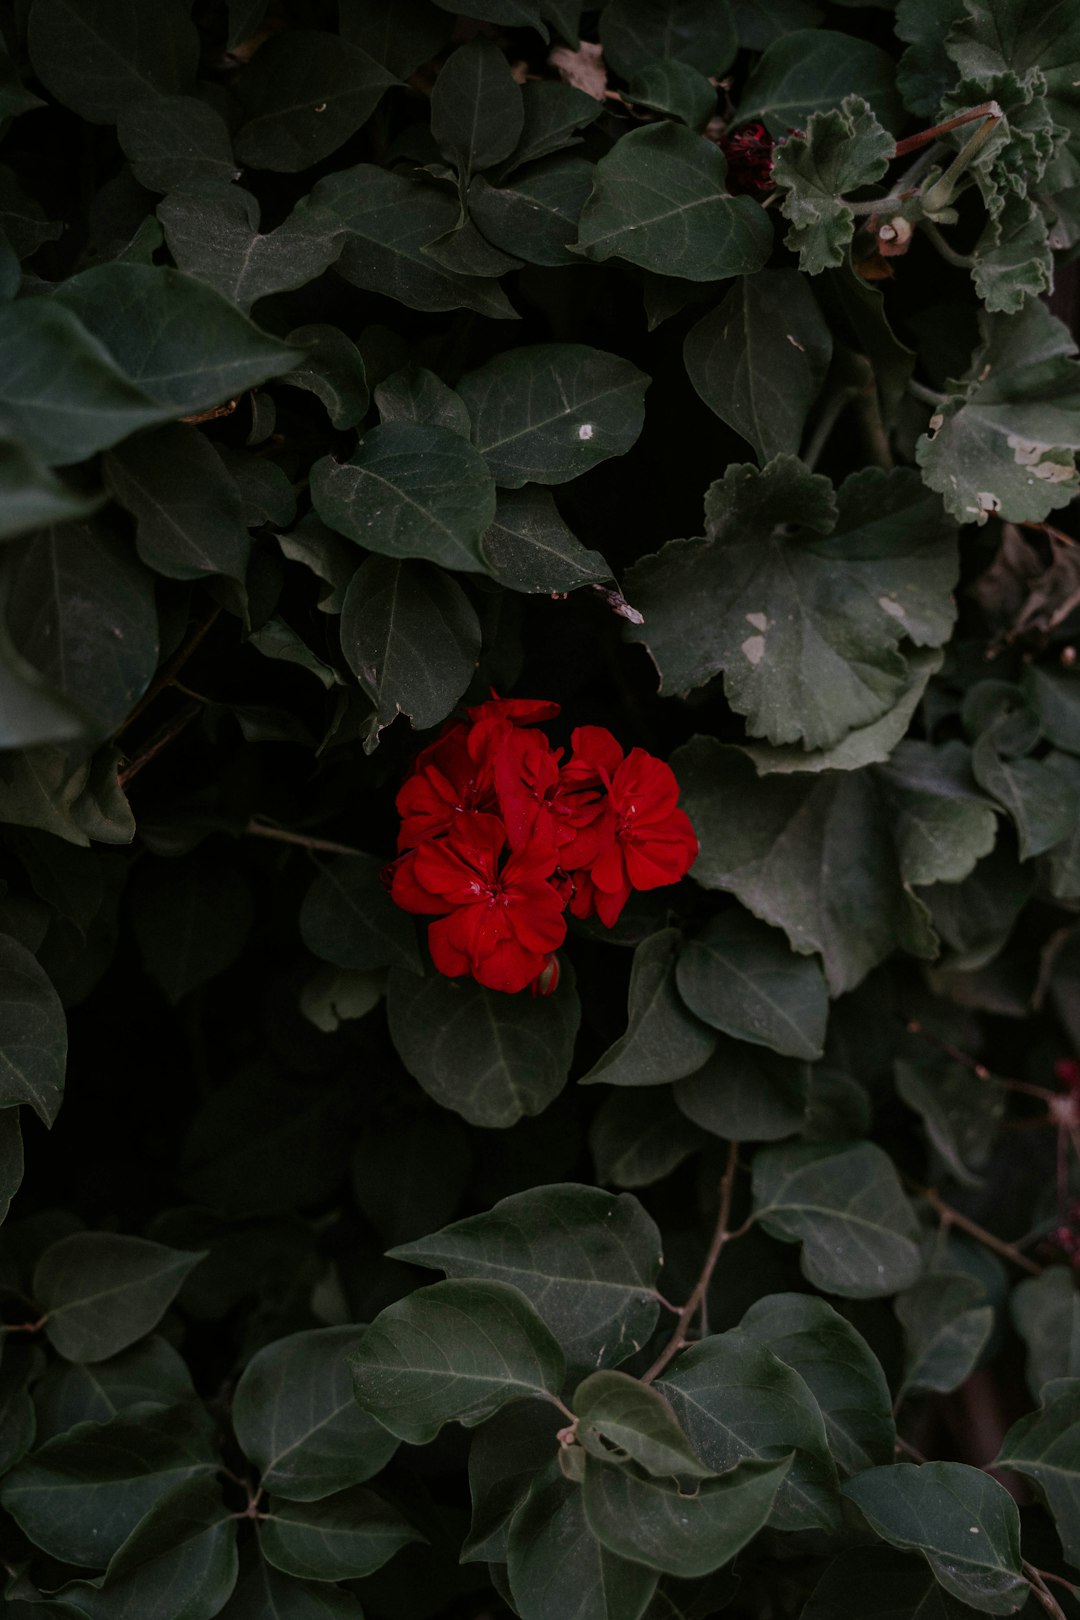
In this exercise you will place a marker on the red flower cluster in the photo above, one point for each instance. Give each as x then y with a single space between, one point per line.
749 153
500 837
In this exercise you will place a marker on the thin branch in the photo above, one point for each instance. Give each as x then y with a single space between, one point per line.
911 143
962 261
1042 1591
721 1236
260 829
979 1070
172 668
928 396
908 1450
214 414
953 1217
159 741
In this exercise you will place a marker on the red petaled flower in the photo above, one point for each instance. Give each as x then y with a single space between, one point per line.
749 154
500 836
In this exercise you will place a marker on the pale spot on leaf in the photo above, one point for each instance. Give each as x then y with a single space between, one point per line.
754 649
893 609
760 621
585 431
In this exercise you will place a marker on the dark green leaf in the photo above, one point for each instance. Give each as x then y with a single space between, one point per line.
389 220
552 113
536 215
620 1417
530 548
296 1418
411 489
456 1351
745 1094
736 1400
759 359
33 1034
31 496
848 1210
809 71
333 370
740 977
947 1325
663 1039
191 920
839 1369
659 200
636 34
476 108
80 1496
652 1522
417 395
412 640
489 1056
638 1136
175 141
212 228
962 1112
263 1593
505 1457
81 611
401 34
348 918
963 1522
305 93
1046 1313
586 1259
557 1567
73 1392
551 411
675 88
187 509
875 1583
841 150
100 56
343 1537
1045 1447
100 1291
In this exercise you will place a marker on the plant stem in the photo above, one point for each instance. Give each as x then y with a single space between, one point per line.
172 668
953 1217
1042 1591
911 143
159 741
260 829
928 396
940 194
721 1236
962 261
831 412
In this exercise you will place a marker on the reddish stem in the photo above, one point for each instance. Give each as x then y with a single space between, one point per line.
912 143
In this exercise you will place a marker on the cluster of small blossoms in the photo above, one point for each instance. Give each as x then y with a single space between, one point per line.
749 153
500 837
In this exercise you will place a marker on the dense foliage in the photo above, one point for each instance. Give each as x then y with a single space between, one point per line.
690 365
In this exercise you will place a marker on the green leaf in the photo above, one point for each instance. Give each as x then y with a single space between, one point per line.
847 1208
701 33
98 56
401 34
81 610
839 1369
586 1260
806 629
174 142
389 220
476 108
181 1560
548 412
650 1521
1046 1314
506 1455
296 1418
305 92
530 548
409 1174
552 113
770 841
946 1325
738 1401
18 1421
842 150
659 200
1045 1447
942 824
963 1522
191 920
620 1417
80 1496
72 1392
415 394
740 977
1012 257
45 788
1055 697
675 88
11 1168
745 1094
804 74
410 489
100 1291
456 1351
263 1593
33 1034
412 640
638 1136
187 509
925 72
62 396
212 228
1003 440
342 1537
1041 802
961 1110
333 370
183 344
491 1057
875 1583
31 496
663 1039
347 917
759 359
535 216
556 1566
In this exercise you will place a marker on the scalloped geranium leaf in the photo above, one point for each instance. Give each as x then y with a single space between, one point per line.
841 150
